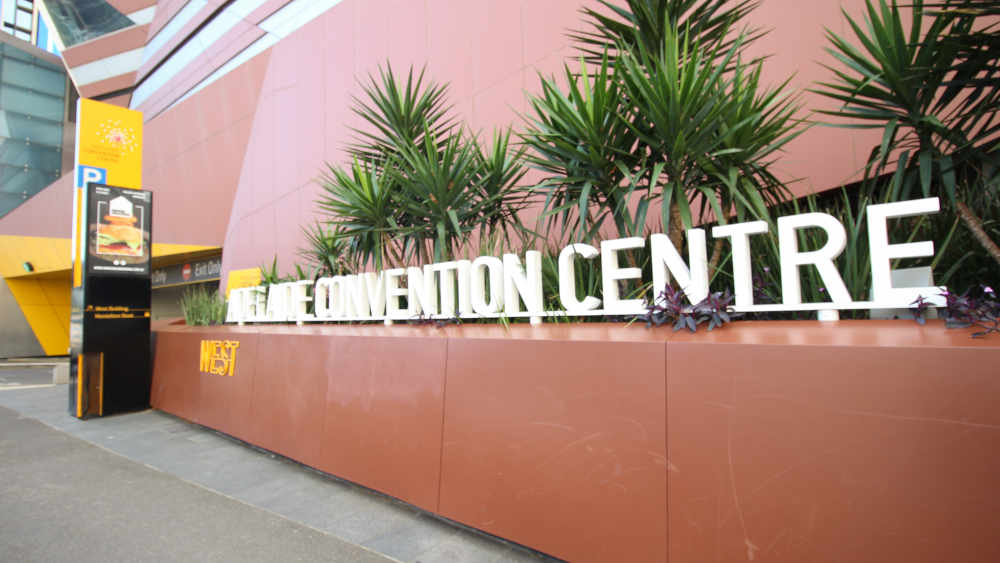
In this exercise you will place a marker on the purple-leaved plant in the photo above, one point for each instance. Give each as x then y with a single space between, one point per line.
919 308
966 310
671 306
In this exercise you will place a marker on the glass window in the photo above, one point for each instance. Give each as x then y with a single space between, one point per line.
30 128
42 33
28 155
77 21
26 102
8 201
16 16
34 77
23 19
18 184
7 15
32 109
7 10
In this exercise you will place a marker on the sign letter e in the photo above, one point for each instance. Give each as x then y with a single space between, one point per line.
90 174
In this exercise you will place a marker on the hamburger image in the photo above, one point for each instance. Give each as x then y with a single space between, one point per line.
118 236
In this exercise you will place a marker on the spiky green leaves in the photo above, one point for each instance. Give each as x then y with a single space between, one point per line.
936 108
399 114
934 90
582 141
645 23
419 185
682 118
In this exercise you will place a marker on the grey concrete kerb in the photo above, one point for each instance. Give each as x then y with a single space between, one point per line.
60 368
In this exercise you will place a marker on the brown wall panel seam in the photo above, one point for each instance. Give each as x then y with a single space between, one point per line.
253 384
444 406
666 445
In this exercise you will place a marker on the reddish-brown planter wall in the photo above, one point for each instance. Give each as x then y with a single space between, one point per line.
852 441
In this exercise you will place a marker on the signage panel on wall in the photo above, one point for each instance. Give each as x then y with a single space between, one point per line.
195 271
118 231
238 279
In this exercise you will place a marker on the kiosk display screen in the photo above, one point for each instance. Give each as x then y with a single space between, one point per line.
118 229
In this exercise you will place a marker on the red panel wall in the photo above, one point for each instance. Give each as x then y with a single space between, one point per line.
383 411
820 453
854 441
557 438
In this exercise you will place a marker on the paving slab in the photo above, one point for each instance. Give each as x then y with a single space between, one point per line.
66 500
224 468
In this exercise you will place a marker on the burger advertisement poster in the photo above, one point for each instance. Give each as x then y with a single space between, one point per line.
118 228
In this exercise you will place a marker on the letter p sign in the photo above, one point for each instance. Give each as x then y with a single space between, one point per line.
90 174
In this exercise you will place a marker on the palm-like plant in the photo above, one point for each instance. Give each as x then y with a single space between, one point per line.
360 204
419 185
645 24
934 93
399 114
709 132
437 192
669 110
501 169
326 251
582 141
759 123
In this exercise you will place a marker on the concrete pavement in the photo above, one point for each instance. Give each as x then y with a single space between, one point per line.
66 500
148 486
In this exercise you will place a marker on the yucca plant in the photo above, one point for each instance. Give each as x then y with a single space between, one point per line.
437 190
930 83
669 113
359 202
271 275
500 171
447 190
853 264
710 133
758 125
587 278
645 23
419 185
581 140
398 114
327 250
849 205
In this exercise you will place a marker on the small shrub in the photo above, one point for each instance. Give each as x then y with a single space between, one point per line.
967 310
672 307
203 307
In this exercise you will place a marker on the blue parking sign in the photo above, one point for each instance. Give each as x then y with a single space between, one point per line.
90 174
